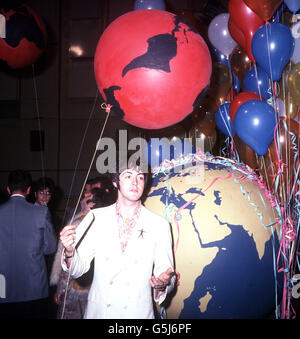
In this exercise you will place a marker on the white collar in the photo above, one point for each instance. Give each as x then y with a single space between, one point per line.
17 195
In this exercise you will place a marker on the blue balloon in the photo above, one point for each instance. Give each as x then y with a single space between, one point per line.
272 46
181 147
158 150
258 81
254 123
223 120
293 5
149 4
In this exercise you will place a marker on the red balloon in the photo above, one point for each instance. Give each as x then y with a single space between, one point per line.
236 33
264 8
241 99
246 20
152 68
26 37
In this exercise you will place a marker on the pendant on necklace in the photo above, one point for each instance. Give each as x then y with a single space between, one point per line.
128 222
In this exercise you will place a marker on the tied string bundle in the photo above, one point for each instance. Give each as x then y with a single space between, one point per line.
107 108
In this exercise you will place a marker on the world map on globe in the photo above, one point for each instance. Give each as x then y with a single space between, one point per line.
25 39
226 240
152 67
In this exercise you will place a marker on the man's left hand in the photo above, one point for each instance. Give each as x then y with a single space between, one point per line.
163 280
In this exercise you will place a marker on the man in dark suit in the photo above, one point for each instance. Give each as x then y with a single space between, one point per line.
26 236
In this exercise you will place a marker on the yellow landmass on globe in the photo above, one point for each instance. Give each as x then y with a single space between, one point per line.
204 302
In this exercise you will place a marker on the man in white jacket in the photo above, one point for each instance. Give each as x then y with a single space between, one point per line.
132 247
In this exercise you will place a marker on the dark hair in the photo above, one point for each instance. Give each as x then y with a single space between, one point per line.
19 180
43 183
129 162
102 198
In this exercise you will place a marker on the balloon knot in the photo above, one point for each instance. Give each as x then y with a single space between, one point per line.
107 107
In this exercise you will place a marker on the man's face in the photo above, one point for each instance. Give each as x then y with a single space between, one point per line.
131 183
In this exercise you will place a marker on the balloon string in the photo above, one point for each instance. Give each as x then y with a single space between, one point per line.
38 120
107 109
78 157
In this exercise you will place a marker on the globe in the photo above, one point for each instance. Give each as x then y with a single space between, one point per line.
225 235
152 67
25 39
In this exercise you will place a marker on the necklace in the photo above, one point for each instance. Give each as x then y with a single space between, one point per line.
126 225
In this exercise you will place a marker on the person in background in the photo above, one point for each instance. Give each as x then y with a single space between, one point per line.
26 236
102 182
44 189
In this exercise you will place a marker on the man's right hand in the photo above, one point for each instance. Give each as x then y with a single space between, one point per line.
67 237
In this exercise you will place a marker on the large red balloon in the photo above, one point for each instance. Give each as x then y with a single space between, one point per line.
152 68
246 20
26 37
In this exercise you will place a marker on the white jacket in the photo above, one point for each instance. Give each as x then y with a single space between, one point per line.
121 287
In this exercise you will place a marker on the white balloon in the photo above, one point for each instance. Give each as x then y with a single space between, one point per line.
219 36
